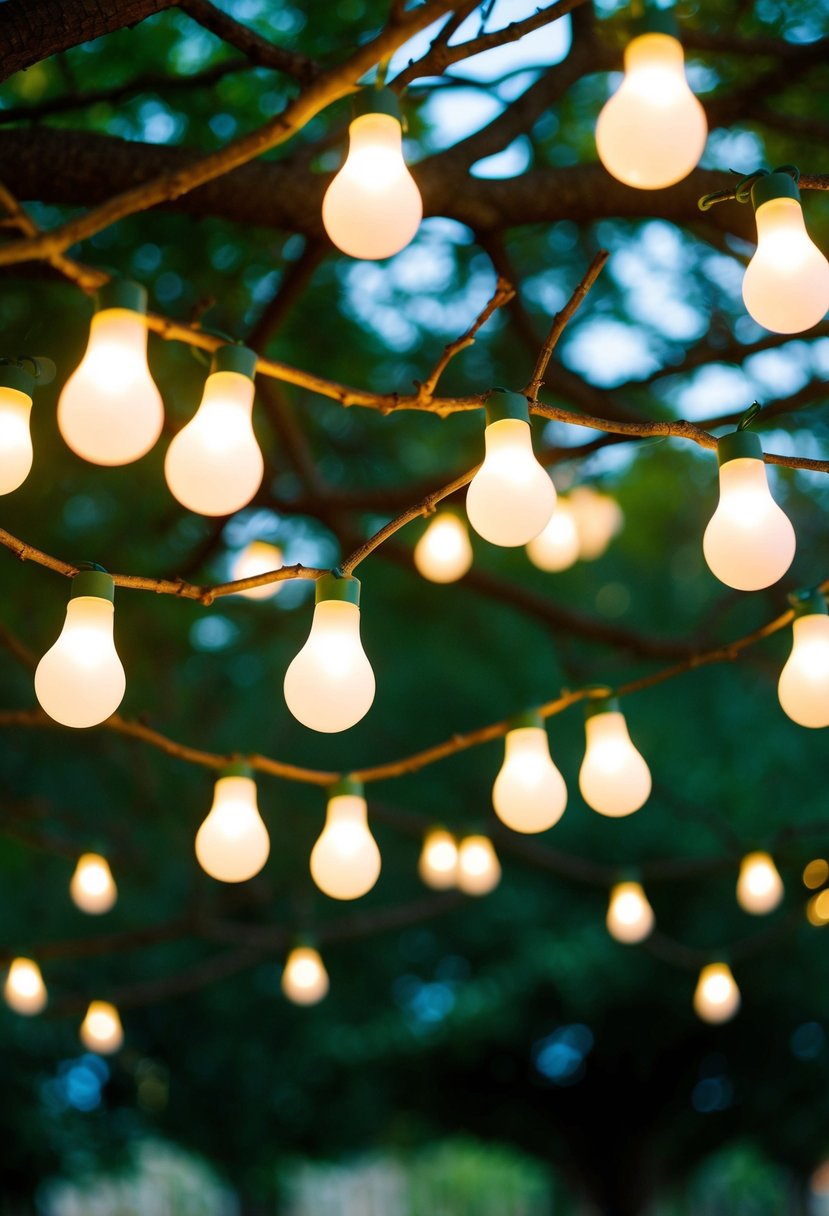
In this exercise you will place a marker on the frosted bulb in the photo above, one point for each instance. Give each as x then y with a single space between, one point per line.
652 131
717 997
598 518
557 546
614 778
345 861
80 681
372 208
749 542
529 794
24 990
803 687
232 844
438 862
214 465
329 686
257 558
101 1029
304 979
630 917
16 388
479 870
443 554
759 887
110 411
92 887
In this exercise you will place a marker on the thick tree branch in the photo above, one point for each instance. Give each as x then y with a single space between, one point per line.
253 46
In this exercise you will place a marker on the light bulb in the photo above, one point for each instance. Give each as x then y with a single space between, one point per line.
80 681
598 519
652 131
630 917
717 997
304 978
110 411
803 687
101 1029
786 283
24 990
233 844
479 870
16 387
257 558
529 794
92 887
345 861
557 546
614 778
372 208
214 465
759 887
511 498
438 862
749 542
443 554
329 686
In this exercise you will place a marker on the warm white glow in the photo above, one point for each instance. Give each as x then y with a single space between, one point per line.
232 844
557 546
304 979
24 990
652 131
372 209
438 863
101 1029
749 543
15 439
614 778
92 887
786 284
80 681
759 887
598 518
443 554
529 794
257 558
630 917
717 997
329 686
803 687
110 411
479 870
345 861
511 498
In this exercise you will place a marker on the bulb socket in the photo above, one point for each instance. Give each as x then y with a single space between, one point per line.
12 376
122 293
95 583
530 719
601 705
338 587
813 604
771 186
237 769
501 404
739 445
346 787
233 358
377 101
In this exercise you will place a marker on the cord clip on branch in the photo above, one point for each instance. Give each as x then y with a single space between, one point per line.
742 192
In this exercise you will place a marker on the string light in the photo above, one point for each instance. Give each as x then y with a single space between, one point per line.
92 886
717 997
101 1029
479 870
556 548
232 845
345 861
24 990
817 909
614 778
598 518
443 554
258 557
759 886
630 917
438 861
816 873
16 388
529 794
803 687
304 978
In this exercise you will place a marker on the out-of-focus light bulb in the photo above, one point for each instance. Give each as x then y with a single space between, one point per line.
92 887
24 990
630 917
80 681
373 209
717 997
101 1029
749 542
652 131
329 686
479 870
438 862
557 546
304 978
803 687
759 887
614 778
345 861
214 465
443 554
529 794
110 411
257 558
598 518
815 873
16 388
511 498
786 283
232 844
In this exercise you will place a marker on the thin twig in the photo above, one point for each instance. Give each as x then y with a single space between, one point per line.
560 321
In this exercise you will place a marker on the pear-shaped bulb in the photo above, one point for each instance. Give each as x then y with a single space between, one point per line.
438 862
232 844
511 498
304 979
630 917
24 990
92 887
717 997
759 886
345 861
556 547
529 794
786 283
443 554
101 1029
15 436
479 870
258 557
803 687
614 778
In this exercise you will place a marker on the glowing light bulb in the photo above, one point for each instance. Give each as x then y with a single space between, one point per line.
630 917
24 990
556 547
16 388
443 554
759 887
511 498
786 283
717 997
479 870
80 681
373 209
438 862
92 887
803 687
232 844
214 465
614 778
652 131
110 411
101 1029
345 861
304 979
257 558
749 542
329 686
529 794
598 519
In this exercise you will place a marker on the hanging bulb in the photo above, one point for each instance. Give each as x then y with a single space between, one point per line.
101 1029
92 887
329 686
80 681
630 917
511 498
304 978
214 465
16 388
614 778
556 548
24 990
598 519
110 411
443 554
257 558
438 862
717 997
803 687
345 861
759 887
479 870
749 542
232 844
372 208
786 283
529 794
652 131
